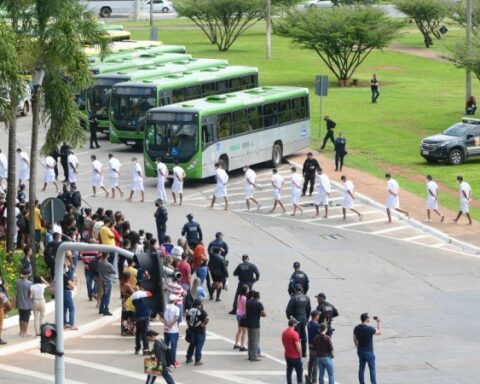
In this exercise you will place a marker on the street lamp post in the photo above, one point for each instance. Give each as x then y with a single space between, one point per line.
268 35
468 79
37 80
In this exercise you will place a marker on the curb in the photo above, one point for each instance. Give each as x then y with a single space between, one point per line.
415 223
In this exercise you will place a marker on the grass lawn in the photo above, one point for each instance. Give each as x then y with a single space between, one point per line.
419 97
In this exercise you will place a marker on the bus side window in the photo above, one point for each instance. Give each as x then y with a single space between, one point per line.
207 133
164 101
284 113
299 109
222 85
270 114
255 118
208 89
179 95
235 84
223 126
240 124
194 92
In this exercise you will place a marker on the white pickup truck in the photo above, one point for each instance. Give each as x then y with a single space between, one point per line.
24 103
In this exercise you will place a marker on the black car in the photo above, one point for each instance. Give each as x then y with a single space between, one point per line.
457 143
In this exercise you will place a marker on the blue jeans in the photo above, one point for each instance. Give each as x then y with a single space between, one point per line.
202 274
90 282
326 363
366 358
107 291
165 374
298 366
196 346
171 339
69 307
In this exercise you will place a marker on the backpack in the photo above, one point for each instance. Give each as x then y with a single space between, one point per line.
76 199
21 222
94 266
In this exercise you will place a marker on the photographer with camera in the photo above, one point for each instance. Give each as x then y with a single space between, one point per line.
363 339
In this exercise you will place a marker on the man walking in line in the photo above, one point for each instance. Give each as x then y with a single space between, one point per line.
277 184
340 151
161 218
348 198
324 189
310 165
73 165
465 197
162 173
49 173
291 345
363 340
250 179
221 178
296 185
432 199
177 185
24 163
97 176
329 135
137 180
393 198
114 174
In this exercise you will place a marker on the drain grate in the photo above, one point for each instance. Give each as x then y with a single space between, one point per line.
332 236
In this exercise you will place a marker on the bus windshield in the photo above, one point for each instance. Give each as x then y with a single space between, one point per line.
172 135
98 98
129 109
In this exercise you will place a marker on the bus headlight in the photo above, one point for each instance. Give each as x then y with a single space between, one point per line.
193 164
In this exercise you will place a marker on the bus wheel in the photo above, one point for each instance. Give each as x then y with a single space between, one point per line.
25 109
277 155
105 12
223 161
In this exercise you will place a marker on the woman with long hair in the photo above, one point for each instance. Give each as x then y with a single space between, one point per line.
241 312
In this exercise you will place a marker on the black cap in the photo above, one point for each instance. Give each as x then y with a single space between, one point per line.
189 216
159 201
321 296
296 264
298 288
309 154
218 234
73 185
244 256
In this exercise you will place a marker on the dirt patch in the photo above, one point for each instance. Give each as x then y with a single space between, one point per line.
420 52
390 68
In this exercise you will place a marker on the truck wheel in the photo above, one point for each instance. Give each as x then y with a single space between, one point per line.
277 155
165 10
105 12
455 157
25 109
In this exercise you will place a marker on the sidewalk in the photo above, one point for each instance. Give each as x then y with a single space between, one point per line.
372 190
87 319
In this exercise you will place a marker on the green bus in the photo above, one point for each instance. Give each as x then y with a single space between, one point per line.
98 97
116 46
132 53
130 101
245 127
138 62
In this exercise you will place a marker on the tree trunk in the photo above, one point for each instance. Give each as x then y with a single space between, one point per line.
11 182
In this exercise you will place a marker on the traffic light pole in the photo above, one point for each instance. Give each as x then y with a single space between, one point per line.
59 261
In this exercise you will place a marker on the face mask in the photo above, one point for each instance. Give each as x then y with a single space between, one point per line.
244 169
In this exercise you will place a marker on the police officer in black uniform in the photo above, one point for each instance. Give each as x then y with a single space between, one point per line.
298 277
192 231
161 218
340 151
93 124
329 135
64 151
247 274
218 243
327 312
299 307
310 167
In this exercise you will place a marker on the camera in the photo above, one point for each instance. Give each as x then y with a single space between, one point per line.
375 318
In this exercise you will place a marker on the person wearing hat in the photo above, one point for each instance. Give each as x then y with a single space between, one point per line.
310 165
170 321
247 274
220 244
363 340
192 231
293 351
327 312
298 277
161 218
299 307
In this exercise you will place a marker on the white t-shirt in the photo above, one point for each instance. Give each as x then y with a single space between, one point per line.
50 162
432 187
97 167
162 170
465 187
222 176
393 186
297 181
38 291
277 180
137 174
250 177
72 161
114 165
171 311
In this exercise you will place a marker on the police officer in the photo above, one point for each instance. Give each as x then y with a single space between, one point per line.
247 274
327 312
64 151
309 168
192 231
219 271
329 135
299 307
161 218
340 151
93 124
298 277
219 243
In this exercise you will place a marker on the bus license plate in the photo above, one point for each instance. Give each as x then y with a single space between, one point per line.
130 142
425 152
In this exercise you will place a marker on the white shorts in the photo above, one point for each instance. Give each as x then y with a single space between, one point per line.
464 206
393 202
113 181
347 202
177 187
137 186
97 180
24 174
321 199
295 196
277 194
432 203
220 191
249 189
49 176
72 177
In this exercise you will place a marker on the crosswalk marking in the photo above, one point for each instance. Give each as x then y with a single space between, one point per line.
360 223
411 238
35 374
387 230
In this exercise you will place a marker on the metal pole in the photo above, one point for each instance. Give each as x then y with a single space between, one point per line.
151 13
468 82
135 10
268 35
320 124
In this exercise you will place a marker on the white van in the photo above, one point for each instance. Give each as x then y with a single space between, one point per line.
105 8
24 103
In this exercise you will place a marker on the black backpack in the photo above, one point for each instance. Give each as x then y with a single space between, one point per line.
76 199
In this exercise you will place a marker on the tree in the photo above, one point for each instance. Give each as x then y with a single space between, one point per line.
354 2
342 36
467 57
222 21
427 14
459 13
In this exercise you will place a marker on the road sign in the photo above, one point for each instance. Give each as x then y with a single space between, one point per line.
321 85
52 210
443 29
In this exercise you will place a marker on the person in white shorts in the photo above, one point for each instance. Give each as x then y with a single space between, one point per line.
137 180
178 179
49 173
432 198
73 164
465 197
250 179
220 190
162 174
114 166
97 176
24 162
324 189
296 185
393 198
277 185
3 168
348 198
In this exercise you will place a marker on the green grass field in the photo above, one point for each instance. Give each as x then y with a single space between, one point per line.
419 97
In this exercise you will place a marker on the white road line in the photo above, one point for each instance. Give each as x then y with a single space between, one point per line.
360 223
237 376
123 352
35 374
438 245
415 237
391 229
349 214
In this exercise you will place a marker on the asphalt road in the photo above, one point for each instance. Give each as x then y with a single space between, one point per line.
426 293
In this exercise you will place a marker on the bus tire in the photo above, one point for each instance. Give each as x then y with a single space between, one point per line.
277 155
25 109
105 12
223 161
165 10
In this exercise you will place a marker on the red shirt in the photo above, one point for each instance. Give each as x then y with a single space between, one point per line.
117 237
186 271
289 338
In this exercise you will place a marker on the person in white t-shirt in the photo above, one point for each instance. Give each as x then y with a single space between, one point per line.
296 185
465 198
3 168
97 176
220 190
170 320
49 173
324 189
393 198
162 174
250 179
432 198
348 198
72 167
37 294
24 165
177 185
137 180
277 185
114 174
